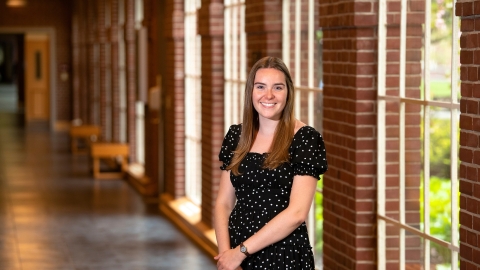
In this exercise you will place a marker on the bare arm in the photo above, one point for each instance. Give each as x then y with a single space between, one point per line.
223 207
303 190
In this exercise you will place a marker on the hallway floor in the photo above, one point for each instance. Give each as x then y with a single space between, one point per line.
54 215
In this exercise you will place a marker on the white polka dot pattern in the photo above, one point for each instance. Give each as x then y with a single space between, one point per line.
262 194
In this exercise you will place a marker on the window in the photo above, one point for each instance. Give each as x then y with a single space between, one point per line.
142 82
300 30
193 133
418 113
235 61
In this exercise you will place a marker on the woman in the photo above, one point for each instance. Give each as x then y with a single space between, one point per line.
271 164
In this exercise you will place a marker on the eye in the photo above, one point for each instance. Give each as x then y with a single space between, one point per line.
259 87
279 87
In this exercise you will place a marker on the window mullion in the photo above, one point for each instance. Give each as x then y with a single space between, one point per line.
298 23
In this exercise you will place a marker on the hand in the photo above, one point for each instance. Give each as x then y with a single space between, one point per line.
230 259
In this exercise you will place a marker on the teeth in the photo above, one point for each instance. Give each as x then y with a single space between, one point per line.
268 104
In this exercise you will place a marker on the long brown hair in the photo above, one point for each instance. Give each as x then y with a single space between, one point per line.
278 152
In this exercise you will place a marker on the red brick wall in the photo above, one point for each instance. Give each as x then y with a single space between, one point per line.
350 93
131 77
102 62
46 14
468 12
349 132
210 27
413 158
173 88
115 69
92 68
76 59
349 128
152 12
263 28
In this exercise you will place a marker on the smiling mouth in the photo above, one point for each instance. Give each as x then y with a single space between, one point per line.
268 104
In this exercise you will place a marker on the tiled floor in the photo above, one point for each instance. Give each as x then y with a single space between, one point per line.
53 215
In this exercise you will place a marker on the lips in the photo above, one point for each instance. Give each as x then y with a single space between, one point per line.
268 104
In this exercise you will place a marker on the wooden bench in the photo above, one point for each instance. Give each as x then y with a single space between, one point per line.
112 154
85 133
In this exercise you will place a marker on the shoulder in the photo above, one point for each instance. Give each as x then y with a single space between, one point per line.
233 134
236 127
298 125
305 132
306 136
301 129
234 131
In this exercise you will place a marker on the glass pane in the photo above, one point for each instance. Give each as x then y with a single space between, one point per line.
413 68
318 245
440 183
413 164
319 54
392 165
440 257
413 254
392 244
38 65
318 111
440 50
413 251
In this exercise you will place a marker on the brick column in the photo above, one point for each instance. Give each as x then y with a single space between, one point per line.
263 28
131 73
350 97
174 81
102 40
210 26
92 63
349 192
76 56
83 61
115 76
151 12
469 13
150 21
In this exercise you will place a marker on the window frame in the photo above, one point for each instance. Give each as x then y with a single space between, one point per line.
193 82
426 103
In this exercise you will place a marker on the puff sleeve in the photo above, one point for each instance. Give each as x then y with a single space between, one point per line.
309 154
229 145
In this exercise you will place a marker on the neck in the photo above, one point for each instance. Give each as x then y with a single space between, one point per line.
267 126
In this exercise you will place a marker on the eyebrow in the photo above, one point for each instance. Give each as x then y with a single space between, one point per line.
265 83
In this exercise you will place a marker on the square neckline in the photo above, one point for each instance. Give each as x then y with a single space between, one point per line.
262 154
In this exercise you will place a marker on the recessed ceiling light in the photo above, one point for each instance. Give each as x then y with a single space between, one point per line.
16 3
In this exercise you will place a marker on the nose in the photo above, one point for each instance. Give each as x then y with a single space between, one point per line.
269 93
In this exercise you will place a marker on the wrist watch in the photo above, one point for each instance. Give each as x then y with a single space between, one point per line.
243 249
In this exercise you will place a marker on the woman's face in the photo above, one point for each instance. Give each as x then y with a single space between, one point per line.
269 95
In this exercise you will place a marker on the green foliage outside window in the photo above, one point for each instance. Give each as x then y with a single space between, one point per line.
439 195
319 219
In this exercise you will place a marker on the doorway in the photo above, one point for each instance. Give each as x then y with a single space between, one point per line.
37 77
11 73
47 61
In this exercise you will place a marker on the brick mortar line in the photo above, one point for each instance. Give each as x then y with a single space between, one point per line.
354 187
469 17
346 231
466 243
472 197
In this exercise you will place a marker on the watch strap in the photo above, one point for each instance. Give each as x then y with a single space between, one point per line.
244 250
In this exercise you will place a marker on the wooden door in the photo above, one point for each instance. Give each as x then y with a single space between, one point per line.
37 74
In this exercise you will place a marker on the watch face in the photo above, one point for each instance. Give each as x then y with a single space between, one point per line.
243 249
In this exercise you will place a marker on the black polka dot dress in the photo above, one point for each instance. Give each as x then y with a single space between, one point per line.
263 193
